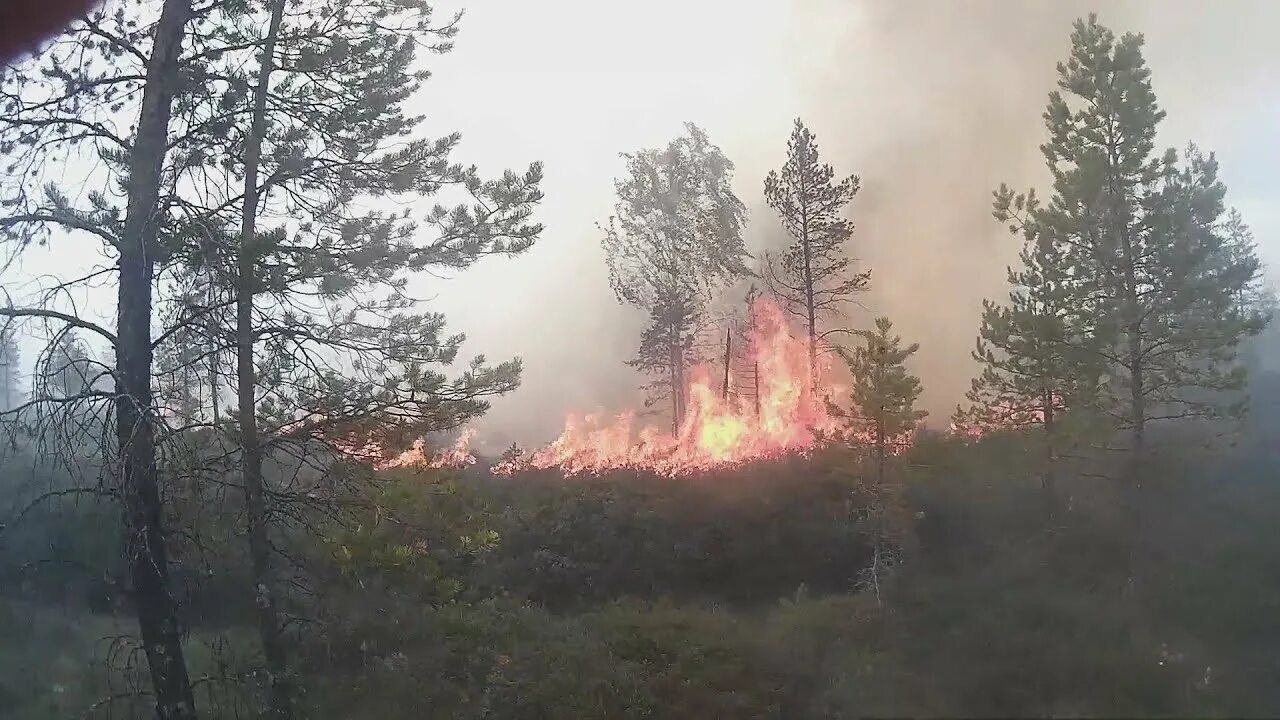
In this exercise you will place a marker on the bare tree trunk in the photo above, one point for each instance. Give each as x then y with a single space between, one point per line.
6 379
1137 395
755 359
728 349
214 343
270 627
810 309
755 375
147 555
674 362
875 567
880 453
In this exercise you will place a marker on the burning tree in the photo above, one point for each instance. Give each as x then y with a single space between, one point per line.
676 234
742 371
814 278
718 430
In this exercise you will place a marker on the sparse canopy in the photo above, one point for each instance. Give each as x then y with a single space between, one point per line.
331 349
345 354
814 278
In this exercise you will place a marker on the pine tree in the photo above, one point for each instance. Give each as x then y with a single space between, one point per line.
105 91
191 355
675 236
1030 372
1153 266
814 278
883 407
330 350
884 393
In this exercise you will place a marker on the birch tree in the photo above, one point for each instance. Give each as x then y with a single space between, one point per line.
676 234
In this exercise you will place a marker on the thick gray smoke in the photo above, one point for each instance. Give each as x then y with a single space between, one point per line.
932 103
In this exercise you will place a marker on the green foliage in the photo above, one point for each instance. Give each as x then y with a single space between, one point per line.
814 277
734 595
1136 247
739 537
55 665
412 534
884 393
1030 375
344 354
676 234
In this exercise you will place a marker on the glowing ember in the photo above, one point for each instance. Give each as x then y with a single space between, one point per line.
716 431
459 455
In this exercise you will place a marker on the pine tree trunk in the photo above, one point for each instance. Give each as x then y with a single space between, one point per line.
1137 414
755 379
674 362
214 342
728 350
755 360
1137 399
1133 332
270 627
1050 468
144 512
880 450
810 309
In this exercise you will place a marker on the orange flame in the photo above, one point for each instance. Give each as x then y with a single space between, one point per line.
459 455
716 431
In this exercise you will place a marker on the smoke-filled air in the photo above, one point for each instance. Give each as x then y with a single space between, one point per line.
683 359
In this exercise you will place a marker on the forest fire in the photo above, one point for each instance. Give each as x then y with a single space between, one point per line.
719 428
456 456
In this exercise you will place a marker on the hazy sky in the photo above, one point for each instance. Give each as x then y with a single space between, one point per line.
933 104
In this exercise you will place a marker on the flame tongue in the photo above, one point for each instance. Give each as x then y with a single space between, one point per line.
459 455
716 431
